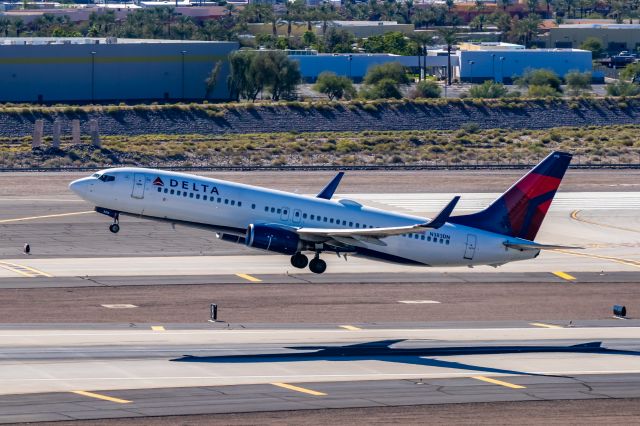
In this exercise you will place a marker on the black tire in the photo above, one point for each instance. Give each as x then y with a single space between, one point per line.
299 261
114 228
317 265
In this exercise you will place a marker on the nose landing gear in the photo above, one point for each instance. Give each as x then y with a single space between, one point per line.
115 227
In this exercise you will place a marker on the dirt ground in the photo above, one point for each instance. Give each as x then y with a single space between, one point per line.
410 181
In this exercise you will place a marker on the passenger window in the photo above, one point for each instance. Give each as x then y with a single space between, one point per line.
179 192
313 217
416 236
266 209
226 201
204 197
184 194
166 190
284 212
253 206
324 219
422 237
172 192
331 220
219 199
357 225
441 240
304 215
239 203
159 189
273 210
197 196
428 238
297 214
191 195
344 223
233 202
351 224
446 242
279 211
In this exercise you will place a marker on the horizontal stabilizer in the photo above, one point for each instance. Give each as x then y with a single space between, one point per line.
536 246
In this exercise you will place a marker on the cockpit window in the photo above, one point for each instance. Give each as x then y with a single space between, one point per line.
96 175
107 178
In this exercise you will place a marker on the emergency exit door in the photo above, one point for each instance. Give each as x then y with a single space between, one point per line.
138 186
470 250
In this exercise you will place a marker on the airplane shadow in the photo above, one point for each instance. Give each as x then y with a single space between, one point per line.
382 351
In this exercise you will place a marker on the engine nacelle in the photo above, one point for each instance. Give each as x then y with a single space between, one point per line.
273 238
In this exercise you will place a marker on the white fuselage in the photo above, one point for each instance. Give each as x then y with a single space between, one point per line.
228 205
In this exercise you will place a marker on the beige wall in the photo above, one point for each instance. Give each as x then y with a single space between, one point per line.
629 37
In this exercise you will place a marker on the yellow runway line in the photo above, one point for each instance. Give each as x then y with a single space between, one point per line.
628 262
543 325
498 382
103 397
157 328
564 276
22 219
249 278
350 327
575 215
25 271
299 389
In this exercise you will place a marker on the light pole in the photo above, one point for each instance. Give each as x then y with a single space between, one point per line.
502 59
471 71
93 78
350 58
182 52
493 67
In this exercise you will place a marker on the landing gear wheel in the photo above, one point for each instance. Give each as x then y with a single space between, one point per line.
317 265
299 261
114 228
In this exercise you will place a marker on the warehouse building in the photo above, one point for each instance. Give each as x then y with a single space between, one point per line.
51 70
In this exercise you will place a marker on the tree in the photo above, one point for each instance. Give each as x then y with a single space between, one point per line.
334 86
427 89
623 88
212 80
285 75
449 36
631 72
337 41
309 38
540 77
488 90
578 82
393 71
18 26
595 45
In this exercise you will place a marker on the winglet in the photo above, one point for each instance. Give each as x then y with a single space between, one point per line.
444 215
327 191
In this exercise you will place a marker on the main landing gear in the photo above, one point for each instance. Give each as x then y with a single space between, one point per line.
316 265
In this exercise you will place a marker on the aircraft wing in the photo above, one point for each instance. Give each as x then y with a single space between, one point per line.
373 235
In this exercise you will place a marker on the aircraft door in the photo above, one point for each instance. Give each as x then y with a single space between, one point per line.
285 214
470 250
297 217
138 186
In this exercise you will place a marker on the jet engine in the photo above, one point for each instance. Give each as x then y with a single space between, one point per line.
273 238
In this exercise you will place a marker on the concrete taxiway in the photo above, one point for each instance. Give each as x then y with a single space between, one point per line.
90 372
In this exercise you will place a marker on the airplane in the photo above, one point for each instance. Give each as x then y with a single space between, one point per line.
292 224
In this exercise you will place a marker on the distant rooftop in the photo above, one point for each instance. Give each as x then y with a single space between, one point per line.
604 26
40 41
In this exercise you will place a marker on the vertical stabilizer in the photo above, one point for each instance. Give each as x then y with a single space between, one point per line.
519 212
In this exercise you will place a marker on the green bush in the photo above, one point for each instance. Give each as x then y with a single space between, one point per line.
623 88
427 89
334 86
540 77
578 82
393 71
488 90
383 89
542 91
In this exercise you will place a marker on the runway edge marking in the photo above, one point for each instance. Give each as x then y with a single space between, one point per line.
25 271
249 278
157 328
103 397
498 382
622 261
299 389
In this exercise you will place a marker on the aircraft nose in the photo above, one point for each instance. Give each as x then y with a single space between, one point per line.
80 186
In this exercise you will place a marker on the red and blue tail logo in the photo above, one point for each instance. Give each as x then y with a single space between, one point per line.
519 212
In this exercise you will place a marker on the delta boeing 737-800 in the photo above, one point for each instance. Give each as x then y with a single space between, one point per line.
293 224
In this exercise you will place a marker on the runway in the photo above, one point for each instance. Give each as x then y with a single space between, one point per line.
124 316
91 372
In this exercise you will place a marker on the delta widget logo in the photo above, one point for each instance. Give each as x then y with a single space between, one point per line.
158 182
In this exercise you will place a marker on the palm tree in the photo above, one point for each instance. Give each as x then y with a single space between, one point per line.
4 26
449 36
422 40
19 26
